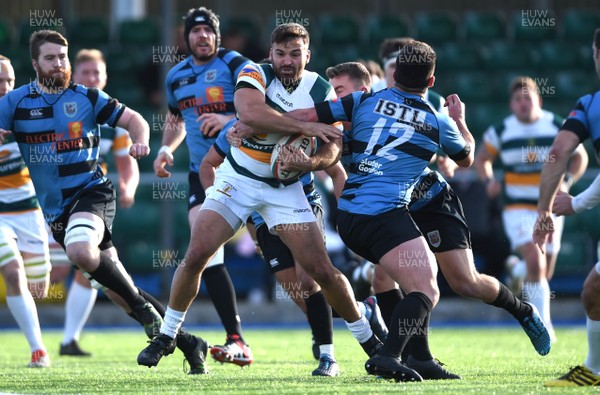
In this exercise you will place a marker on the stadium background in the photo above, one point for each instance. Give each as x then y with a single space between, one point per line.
480 46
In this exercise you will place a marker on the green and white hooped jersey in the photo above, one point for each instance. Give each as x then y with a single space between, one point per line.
16 189
254 154
523 149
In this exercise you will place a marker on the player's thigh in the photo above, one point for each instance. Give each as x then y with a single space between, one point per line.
214 225
286 208
305 241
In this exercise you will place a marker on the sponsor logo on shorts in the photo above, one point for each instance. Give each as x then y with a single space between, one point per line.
434 238
274 262
302 210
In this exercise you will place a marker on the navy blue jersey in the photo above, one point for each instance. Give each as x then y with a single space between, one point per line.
222 147
59 137
584 120
194 90
394 136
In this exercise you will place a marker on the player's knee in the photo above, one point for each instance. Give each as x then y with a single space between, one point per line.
465 286
81 239
37 271
197 257
432 292
82 255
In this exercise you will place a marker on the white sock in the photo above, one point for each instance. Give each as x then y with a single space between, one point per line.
23 309
546 306
80 301
361 330
172 322
327 349
593 334
538 294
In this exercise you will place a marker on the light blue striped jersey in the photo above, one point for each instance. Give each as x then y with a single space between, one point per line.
194 90
58 136
394 136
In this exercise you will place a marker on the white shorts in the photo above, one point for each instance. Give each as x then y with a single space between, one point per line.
27 229
518 225
243 195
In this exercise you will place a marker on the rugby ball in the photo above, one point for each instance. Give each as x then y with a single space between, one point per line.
306 144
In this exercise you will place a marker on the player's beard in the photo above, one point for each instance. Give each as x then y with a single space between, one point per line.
54 84
288 75
204 57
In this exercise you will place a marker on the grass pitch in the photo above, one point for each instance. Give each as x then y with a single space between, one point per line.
491 361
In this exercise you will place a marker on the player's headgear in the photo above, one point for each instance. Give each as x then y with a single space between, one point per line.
201 16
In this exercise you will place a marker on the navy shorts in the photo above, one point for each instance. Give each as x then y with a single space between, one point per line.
373 236
443 224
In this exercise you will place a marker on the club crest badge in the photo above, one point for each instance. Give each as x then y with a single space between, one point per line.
434 238
210 76
70 109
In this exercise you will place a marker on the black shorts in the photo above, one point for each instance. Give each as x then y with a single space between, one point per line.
442 221
196 193
373 236
99 200
276 254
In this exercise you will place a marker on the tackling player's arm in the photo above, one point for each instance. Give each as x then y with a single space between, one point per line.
210 162
249 101
338 176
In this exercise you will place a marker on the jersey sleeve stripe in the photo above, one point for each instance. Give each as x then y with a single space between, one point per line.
324 113
92 95
577 127
348 104
251 81
462 154
221 153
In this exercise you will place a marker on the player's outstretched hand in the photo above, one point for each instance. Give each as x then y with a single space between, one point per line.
3 134
322 131
563 204
139 150
456 108
212 123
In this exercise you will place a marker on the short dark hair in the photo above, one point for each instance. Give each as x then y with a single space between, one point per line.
392 44
357 72
415 65
40 37
597 38
289 31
